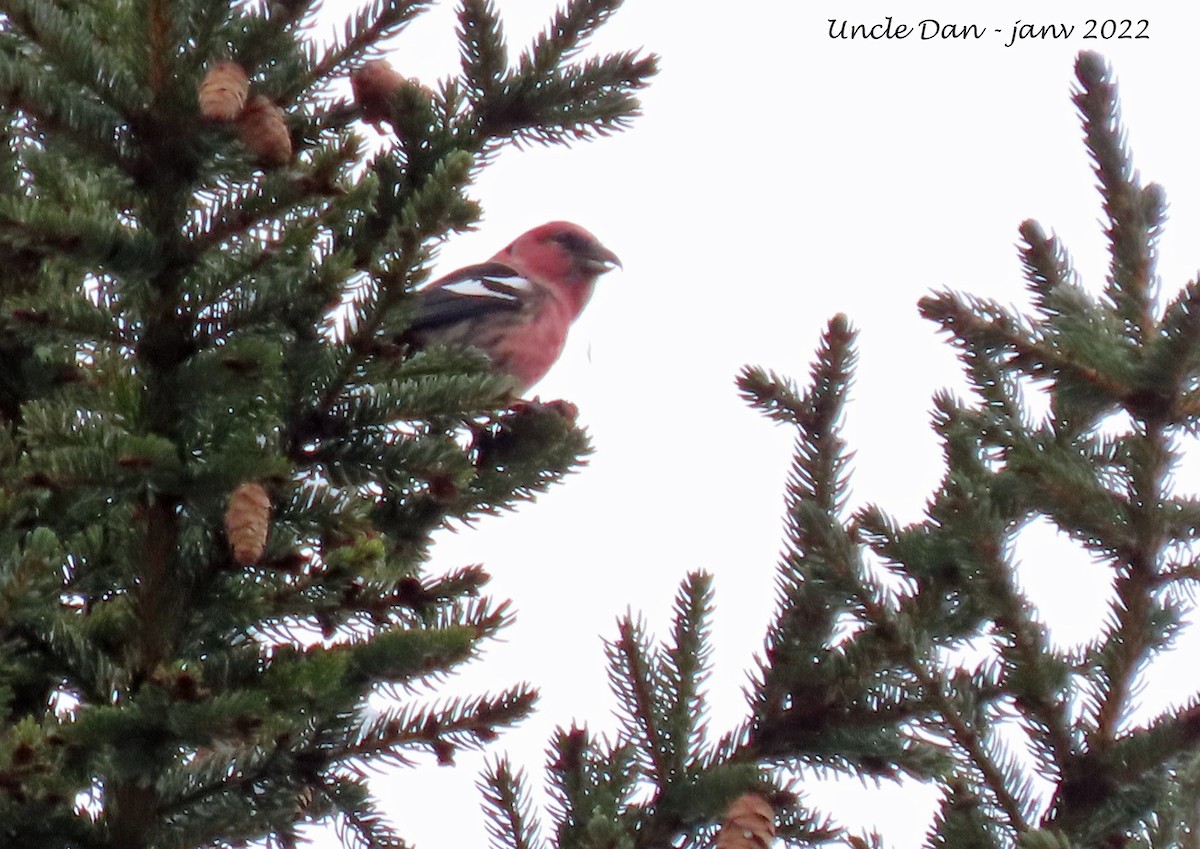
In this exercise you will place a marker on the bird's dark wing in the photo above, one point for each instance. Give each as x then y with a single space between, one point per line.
468 294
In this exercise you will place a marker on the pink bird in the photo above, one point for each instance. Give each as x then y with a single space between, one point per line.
518 306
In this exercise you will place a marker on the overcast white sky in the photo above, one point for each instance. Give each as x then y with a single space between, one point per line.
777 177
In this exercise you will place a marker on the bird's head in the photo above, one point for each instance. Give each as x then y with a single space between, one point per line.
562 251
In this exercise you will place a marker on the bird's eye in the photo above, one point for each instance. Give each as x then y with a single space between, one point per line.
571 241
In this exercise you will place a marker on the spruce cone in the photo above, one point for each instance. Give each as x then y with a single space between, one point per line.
262 129
749 824
373 85
247 520
223 91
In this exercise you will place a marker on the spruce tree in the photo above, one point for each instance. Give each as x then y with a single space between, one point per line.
911 652
219 476
219 473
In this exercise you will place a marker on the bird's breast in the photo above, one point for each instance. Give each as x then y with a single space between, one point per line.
529 351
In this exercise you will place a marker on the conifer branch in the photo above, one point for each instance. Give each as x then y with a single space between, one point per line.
685 665
377 21
591 788
574 22
359 823
481 43
67 46
442 728
994 329
1135 214
576 103
1057 293
819 471
248 207
92 126
1047 267
511 822
1172 366
632 676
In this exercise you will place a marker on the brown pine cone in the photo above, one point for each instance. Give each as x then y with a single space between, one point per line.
223 91
247 521
262 129
749 824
